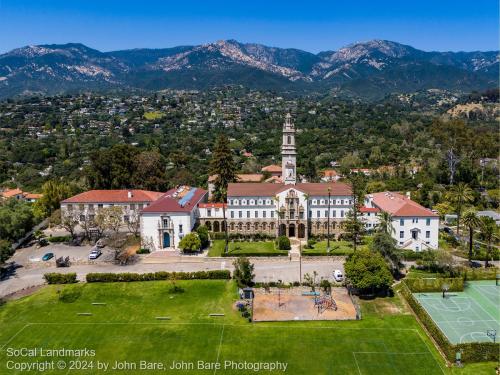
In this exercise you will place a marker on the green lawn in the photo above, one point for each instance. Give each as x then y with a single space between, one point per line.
387 340
245 248
336 248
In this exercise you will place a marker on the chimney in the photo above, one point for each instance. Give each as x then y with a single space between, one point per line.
129 194
408 195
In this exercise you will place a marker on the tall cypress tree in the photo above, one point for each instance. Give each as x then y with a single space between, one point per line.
222 165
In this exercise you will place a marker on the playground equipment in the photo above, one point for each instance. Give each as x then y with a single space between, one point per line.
325 302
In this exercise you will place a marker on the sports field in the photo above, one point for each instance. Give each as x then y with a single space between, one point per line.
465 316
387 340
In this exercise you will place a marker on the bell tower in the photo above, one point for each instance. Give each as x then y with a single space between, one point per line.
288 153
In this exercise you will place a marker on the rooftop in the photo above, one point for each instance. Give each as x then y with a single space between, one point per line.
114 196
321 189
399 205
182 199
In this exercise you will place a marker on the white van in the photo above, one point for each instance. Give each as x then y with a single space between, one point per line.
338 276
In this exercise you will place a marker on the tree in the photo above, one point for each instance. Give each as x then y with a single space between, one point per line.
283 243
471 221
149 172
489 232
222 165
16 219
353 226
385 245
69 221
243 272
385 223
6 250
202 232
109 218
190 242
134 222
459 195
367 271
443 209
53 192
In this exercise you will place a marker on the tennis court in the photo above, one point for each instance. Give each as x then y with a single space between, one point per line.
469 316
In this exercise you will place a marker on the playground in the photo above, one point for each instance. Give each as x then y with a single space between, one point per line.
285 304
468 316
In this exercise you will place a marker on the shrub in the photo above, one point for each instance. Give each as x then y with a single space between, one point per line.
190 242
283 243
143 251
60 278
243 272
202 232
156 276
59 239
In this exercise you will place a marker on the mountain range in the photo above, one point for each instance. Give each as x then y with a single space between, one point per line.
367 70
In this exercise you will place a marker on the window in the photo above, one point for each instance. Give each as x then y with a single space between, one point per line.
91 207
132 207
401 234
141 206
248 214
301 214
322 201
240 214
341 213
100 205
326 213
289 140
165 223
126 218
180 228
232 214
314 201
415 220
264 213
70 207
81 207
402 222
334 213
91 218
317 214
428 234
256 214
82 218
209 212
427 221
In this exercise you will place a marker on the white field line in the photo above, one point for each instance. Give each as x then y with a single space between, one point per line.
220 345
14 336
357 364
430 351
462 321
395 353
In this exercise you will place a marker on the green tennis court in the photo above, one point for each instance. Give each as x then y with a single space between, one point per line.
466 316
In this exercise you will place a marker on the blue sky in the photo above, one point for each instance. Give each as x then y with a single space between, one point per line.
314 26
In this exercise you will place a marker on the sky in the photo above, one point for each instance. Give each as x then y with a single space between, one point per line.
106 25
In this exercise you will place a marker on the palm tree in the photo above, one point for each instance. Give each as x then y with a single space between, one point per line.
471 220
489 232
385 223
459 195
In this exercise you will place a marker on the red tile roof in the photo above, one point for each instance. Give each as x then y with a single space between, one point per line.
32 196
114 196
11 193
399 205
369 209
242 190
242 177
273 168
330 173
171 203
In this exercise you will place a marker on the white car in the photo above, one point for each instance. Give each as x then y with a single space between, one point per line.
338 276
95 253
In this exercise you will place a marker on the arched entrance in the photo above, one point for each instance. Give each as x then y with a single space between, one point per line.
282 230
302 230
291 230
216 226
166 240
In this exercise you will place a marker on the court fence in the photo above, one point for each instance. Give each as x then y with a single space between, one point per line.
471 352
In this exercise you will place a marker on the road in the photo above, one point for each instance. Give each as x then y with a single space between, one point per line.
266 270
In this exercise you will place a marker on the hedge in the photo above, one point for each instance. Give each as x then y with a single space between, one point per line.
427 285
155 276
471 352
57 239
481 274
60 278
254 254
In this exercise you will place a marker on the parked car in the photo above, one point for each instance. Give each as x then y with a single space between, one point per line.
338 276
100 243
48 256
95 253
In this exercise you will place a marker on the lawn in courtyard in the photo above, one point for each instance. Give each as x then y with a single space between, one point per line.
387 340
336 248
154 115
245 248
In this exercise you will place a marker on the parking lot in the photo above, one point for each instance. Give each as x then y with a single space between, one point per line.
32 256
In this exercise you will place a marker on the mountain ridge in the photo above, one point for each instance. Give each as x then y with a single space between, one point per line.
365 69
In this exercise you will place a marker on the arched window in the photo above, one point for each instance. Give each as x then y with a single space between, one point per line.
326 225
271 226
240 226
208 224
264 226
256 226
248 226
232 226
